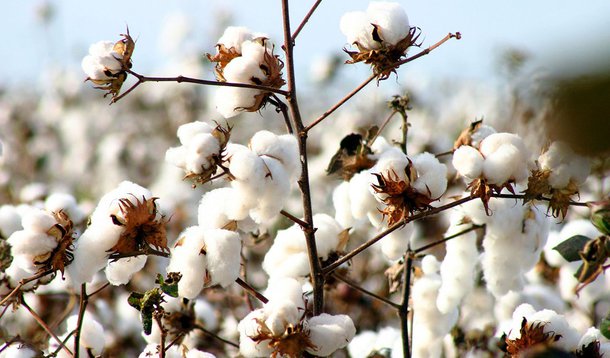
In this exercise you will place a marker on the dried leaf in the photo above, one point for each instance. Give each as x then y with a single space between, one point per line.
352 157
61 256
292 343
465 138
532 335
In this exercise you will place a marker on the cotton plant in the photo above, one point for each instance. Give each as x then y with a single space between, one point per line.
281 329
245 57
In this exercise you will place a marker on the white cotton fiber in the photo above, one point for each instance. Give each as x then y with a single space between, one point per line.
431 175
188 259
119 272
329 333
223 250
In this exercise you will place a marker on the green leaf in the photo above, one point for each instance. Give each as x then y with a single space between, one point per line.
135 300
604 326
571 248
147 321
170 285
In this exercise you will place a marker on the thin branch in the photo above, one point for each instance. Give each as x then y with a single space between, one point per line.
403 312
42 324
305 19
438 242
251 290
449 152
99 289
215 336
340 103
330 268
315 266
159 320
457 35
405 131
84 301
24 282
147 250
181 79
355 286
294 219
63 344
383 125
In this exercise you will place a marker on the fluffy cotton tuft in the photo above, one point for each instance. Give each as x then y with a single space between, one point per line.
91 337
390 19
32 244
119 272
431 175
197 149
564 165
468 162
102 62
330 333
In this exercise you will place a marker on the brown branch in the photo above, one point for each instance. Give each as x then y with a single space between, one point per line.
25 281
330 268
294 219
438 242
305 20
280 107
44 326
246 286
383 125
184 79
315 266
403 312
159 320
84 300
457 35
215 336
147 250
449 152
355 286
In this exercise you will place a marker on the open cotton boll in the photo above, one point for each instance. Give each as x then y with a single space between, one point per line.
10 220
564 164
362 199
281 314
234 36
458 268
223 250
119 272
343 205
249 327
187 131
37 221
188 259
481 133
356 27
329 333
17 350
396 243
431 175
230 101
276 190
468 162
220 207
505 163
286 288
67 203
101 58
91 337
391 18
200 148
283 148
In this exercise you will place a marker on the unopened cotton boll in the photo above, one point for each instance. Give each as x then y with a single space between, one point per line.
329 333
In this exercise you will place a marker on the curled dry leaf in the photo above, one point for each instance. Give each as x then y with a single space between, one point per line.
292 343
480 188
532 336
142 229
465 138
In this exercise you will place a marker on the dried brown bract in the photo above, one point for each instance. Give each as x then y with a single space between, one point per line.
292 343
400 198
480 188
142 228
385 58
61 256
538 186
465 138
532 336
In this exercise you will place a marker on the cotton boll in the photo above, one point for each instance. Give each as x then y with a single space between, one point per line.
395 244
362 345
37 221
287 257
363 201
119 272
91 336
565 165
248 327
358 30
230 101
223 250
188 131
281 314
285 288
458 268
431 175
283 148
10 220
329 333
391 19
67 203
195 353
342 205
481 133
468 162
219 207
17 350
188 259
571 228
234 36
506 163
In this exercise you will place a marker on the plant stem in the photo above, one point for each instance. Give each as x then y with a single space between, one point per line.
251 290
438 242
403 312
315 266
330 268
42 324
539 197
24 282
215 336
181 79
383 125
305 19
159 320
84 300
355 286
281 107
294 219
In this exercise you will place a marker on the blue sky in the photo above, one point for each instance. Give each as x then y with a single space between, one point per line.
558 34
